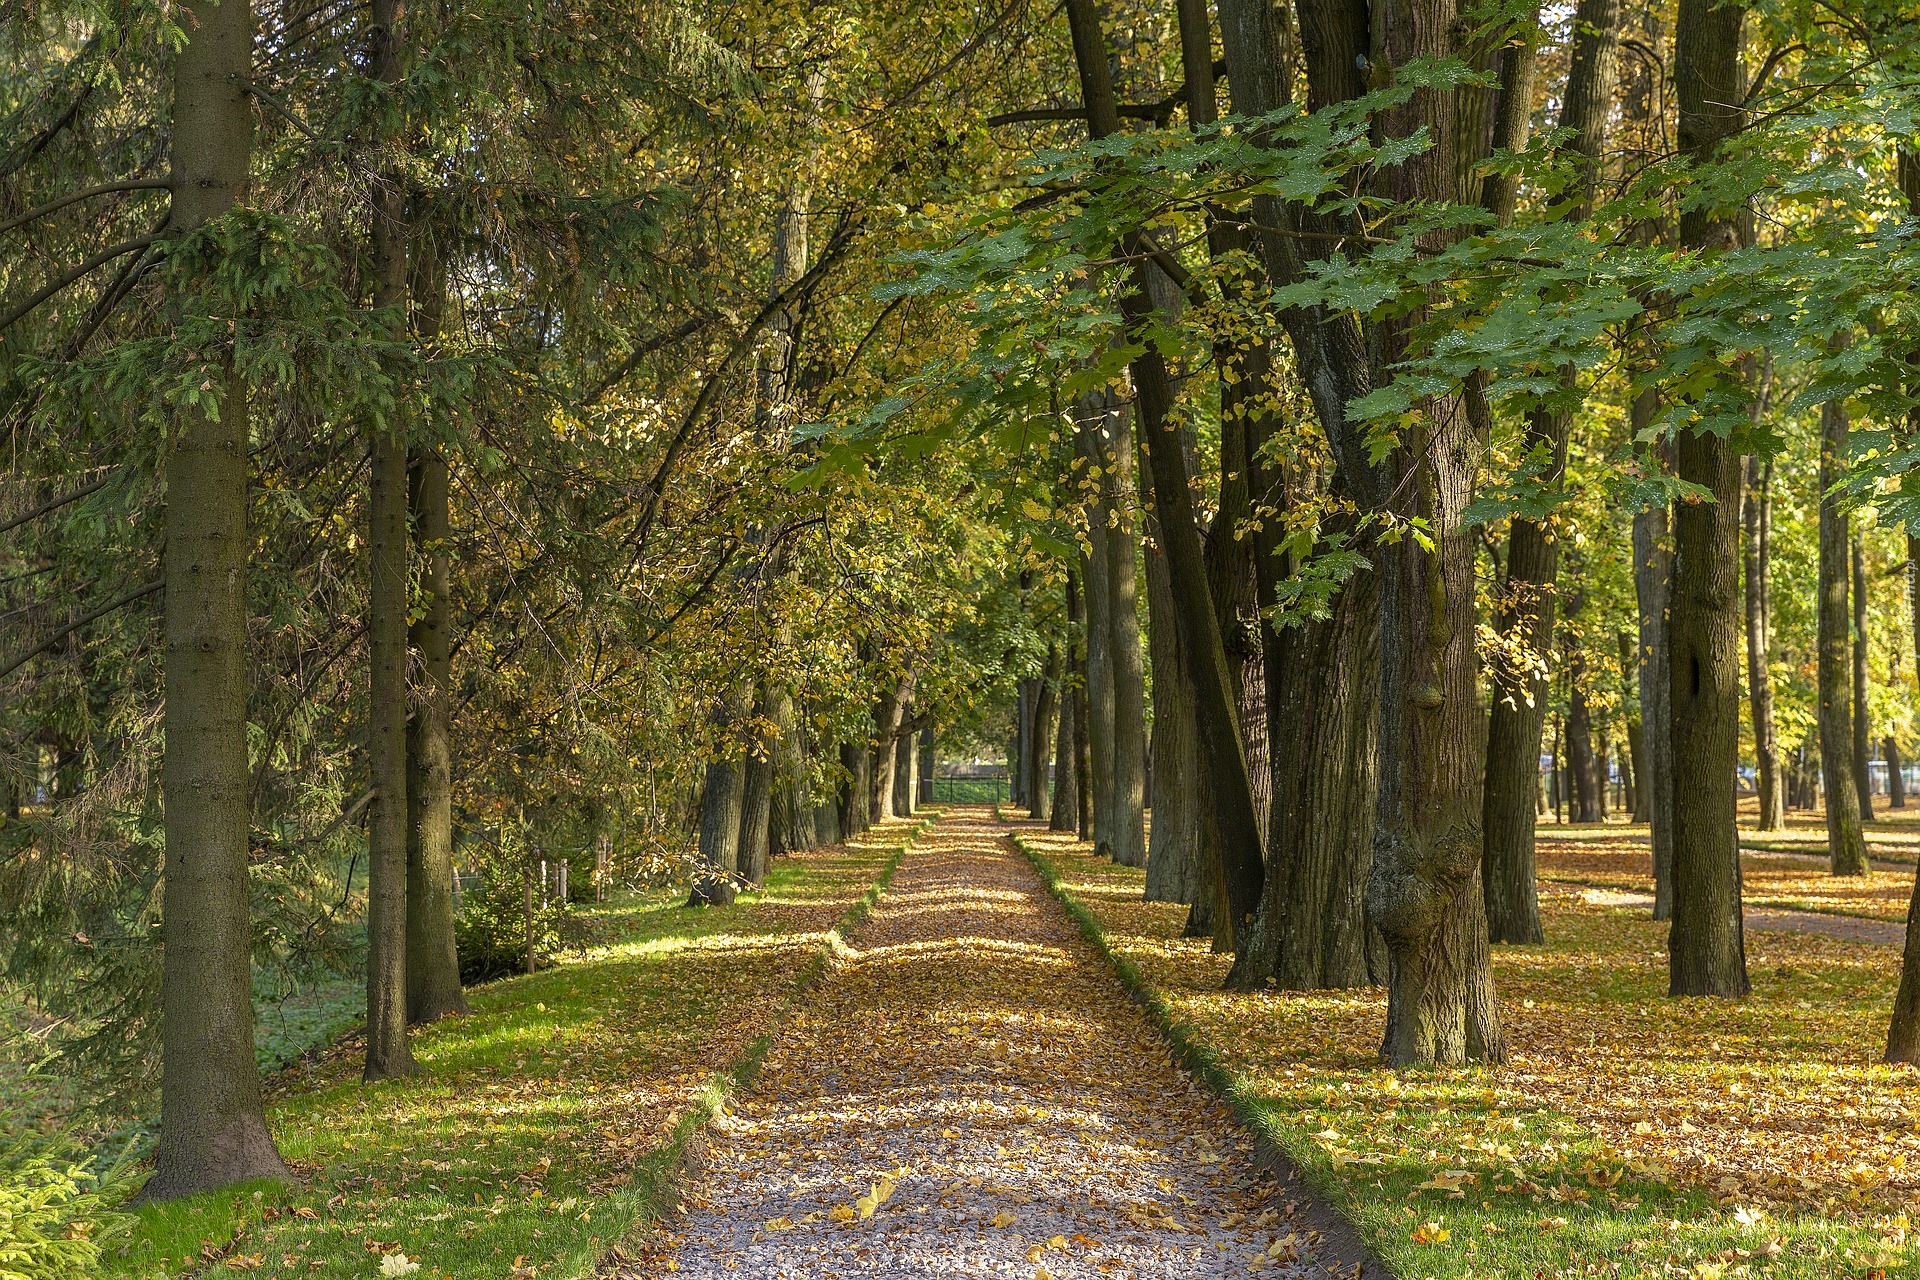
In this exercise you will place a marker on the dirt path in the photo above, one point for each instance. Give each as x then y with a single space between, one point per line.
974 1053
1848 928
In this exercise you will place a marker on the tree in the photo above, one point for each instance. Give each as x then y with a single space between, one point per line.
213 1130
1756 557
1707 943
1846 846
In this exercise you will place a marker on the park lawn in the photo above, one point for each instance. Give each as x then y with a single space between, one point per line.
546 1125
1618 857
1630 1135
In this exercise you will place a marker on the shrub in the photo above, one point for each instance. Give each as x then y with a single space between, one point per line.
56 1209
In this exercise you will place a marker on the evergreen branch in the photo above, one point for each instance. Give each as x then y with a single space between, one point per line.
85 193
136 594
56 503
73 275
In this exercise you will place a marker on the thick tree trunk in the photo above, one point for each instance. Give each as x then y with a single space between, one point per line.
1903 1032
793 825
1846 844
1862 714
756 800
903 759
213 1131
1173 852
856 797
1039 791
1312 928
1580 756
1757 517
387 1051
719 850
1126 829
887 718
433 962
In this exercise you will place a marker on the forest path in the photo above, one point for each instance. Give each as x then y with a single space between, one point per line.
1827 923
972 1049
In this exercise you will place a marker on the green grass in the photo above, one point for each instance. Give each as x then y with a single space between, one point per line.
548 1123
1522 1182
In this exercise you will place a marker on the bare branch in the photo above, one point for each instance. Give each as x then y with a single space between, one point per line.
86 268
136 594
85 193
57 503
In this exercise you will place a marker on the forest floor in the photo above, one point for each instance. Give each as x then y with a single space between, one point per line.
1630 1135
546 1124
972 1093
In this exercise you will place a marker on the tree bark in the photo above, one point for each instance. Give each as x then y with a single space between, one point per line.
856 798
213 1130
1757 517
1896 780
1586 766
1099 585
1846 843
1066 780
1526 602
903 760
1040 798
1903 1031
887 718
1238 827
1862 714
719 850
756 797
387 1052
433 961
1653 588
1173 853
1126 828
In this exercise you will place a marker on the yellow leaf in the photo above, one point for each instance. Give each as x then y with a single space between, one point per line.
1004 1218
1034 1251
840 1213
1431 1233
779 1224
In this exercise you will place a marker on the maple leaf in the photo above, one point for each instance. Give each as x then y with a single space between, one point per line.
1431 1233
1004 1218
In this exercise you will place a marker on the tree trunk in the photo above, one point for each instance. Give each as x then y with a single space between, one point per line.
1173 854
1083 754
793 825
1040 802
1846 844
1580 758
1653 587
1903 1032
1757 518
387 1052
756 798
1862 714
1066 766
433 962
1312 929
1896 780
856 799
923 792
903 774
1126 828
1099 585
719 851
213 1131
1526 603
887 718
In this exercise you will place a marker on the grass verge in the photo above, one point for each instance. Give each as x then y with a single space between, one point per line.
1631 1136
547 1125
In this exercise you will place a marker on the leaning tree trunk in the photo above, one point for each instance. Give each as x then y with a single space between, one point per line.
213 1130
1846 844
1757 516
433 961
1862 717
387 609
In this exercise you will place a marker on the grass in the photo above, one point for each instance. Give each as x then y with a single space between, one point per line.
1631 1135
548 1124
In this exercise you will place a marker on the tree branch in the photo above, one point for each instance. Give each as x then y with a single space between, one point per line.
57 503
685 329
85 193
1158 112
86 268
54 639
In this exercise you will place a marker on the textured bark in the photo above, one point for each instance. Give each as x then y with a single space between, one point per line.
1846 844
1896 780
923 790
433 961
1173 853
1173 503
903 761
1312 928
387 1052
1903 1031
756 801
1526 602
1039 790
856 796
887 718
1099 718
1756 554
1585 766
1066 759
719 849
1862 716
793 826
1126 832
1083 753
213 1131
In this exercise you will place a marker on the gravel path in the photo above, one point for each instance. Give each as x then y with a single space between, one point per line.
971 1093
1848 928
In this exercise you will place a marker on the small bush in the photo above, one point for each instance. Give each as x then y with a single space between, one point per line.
56 1209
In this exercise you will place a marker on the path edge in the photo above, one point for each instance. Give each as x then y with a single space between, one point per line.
658 1177
1342 1246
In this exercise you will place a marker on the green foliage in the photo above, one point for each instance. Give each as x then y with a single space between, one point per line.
56 1214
